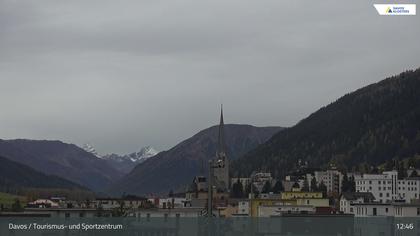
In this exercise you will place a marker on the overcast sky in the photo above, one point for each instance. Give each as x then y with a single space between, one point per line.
125 74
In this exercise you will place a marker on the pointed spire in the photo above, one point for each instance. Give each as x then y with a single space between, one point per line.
221 140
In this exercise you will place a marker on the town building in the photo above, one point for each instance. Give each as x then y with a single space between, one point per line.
259 179
243 208
386 209
382 186
200 183
172 202
299 194
331 178
43 203
408 189
126 202
347 199
386 187
275 210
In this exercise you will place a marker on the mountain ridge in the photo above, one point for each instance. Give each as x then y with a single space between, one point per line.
175 168
68 161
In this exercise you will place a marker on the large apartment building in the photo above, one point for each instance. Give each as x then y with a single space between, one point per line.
386 187
332 179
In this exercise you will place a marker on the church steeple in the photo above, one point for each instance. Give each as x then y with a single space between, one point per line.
221 170
221 147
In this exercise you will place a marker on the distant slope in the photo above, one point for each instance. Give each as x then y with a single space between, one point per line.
65 160
15 176
175 169
369 126
7 200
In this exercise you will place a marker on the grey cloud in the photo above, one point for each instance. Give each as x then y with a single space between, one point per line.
124 74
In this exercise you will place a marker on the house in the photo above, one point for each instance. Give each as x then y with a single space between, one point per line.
43 203
243 207
173 202
200 183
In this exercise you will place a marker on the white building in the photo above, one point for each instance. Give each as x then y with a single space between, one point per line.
126 202
348 199
408 189
172 202
382 186
386 209
386 187
243 208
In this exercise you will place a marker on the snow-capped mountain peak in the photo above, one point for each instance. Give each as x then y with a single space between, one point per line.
143 154
136 157
89 148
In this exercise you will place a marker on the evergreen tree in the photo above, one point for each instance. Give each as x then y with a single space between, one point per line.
305 187
412 162
314 184
352 184
414 174
266 188
16 206
323 188
237 190
389 165
402 172
278 187
345 184
247 190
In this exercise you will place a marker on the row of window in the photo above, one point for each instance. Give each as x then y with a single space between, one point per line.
408 182
370 182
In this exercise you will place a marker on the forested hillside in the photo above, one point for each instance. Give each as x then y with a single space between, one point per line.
370 126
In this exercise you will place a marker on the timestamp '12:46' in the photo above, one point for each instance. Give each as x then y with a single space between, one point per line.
402 226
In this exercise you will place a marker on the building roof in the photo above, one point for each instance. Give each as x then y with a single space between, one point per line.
371 204
124 198
367 196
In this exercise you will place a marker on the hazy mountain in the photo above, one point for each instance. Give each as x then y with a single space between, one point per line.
15 176
175 168
65 160
125 163
367 127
